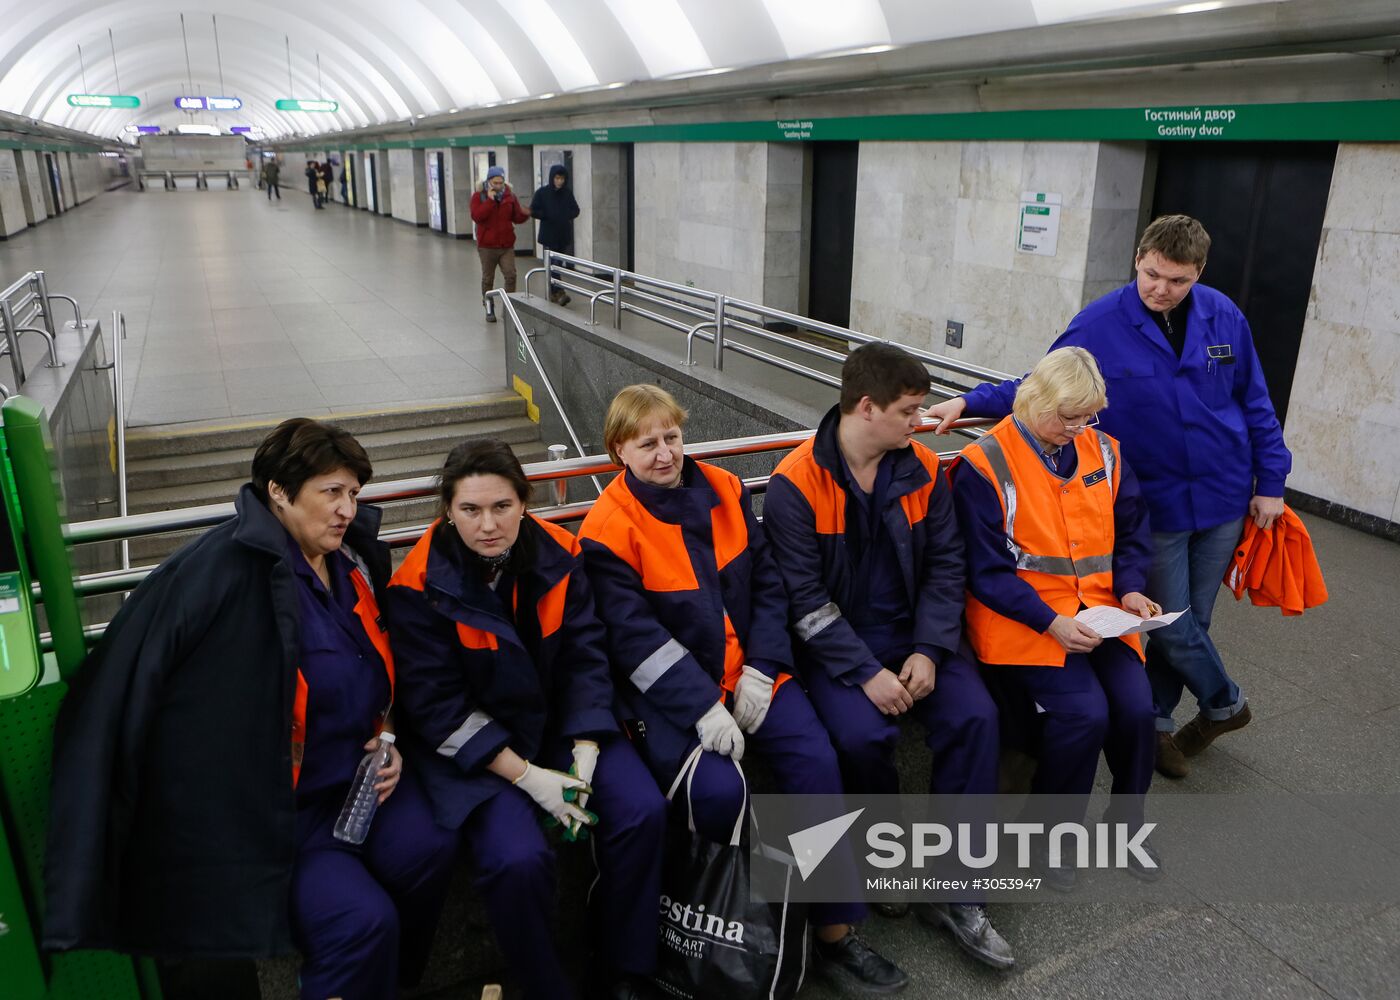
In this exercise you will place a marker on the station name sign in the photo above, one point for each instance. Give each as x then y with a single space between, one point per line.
209 103
306 104
103 101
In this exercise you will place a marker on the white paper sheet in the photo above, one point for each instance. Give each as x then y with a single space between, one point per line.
1110 622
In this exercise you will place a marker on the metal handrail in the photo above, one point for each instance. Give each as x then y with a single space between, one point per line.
138 525
509 306
38 300
630 284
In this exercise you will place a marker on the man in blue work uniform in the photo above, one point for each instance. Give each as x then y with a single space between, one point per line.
1188 402
862 525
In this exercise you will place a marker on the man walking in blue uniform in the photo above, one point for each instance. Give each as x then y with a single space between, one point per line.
1188 402
864 533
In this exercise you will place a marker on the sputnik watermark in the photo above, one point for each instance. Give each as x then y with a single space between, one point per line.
1102 845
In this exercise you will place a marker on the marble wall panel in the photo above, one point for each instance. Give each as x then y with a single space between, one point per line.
1344 422
408 186
12 214
38 211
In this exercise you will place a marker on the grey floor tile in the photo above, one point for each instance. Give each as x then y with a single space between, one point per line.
353 372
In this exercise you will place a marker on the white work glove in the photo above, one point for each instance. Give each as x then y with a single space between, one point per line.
719 733
585 760
547 788
752 696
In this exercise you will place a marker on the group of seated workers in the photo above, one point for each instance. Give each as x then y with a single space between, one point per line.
205 749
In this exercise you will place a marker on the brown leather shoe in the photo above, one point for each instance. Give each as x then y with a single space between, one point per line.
1201 732
1171 762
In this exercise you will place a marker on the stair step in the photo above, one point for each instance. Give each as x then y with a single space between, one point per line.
153 548
151 442
434 441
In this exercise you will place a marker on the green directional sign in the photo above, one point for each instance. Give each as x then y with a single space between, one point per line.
104 101
306 104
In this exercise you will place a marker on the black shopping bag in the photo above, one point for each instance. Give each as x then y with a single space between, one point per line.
717 943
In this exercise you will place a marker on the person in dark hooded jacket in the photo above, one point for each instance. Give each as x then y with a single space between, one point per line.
207 745
556 209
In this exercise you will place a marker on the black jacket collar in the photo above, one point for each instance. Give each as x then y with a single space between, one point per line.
677 504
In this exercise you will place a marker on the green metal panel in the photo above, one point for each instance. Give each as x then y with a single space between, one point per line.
33 501
29 449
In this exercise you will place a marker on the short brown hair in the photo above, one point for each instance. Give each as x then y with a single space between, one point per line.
631 407
883 372
1178 238
301 448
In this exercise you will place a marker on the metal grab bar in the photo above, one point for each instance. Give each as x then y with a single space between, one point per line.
630 284
38 300
122 528
110 529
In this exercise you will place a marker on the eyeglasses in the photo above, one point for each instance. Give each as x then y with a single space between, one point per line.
1079 425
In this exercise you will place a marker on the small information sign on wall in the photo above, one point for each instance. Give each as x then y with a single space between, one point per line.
1038 231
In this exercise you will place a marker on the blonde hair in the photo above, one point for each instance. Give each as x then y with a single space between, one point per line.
634 407
1066 379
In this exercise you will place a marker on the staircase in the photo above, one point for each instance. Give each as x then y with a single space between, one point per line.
173 468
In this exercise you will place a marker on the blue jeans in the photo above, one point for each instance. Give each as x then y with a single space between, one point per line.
1187 570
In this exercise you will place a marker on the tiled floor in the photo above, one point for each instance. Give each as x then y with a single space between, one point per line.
237 307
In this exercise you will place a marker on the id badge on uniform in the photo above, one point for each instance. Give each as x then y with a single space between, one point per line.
1219 354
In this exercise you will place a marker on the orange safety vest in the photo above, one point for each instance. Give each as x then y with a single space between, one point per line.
1060 531
367 610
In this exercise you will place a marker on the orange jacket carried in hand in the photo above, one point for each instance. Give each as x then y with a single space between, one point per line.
1278 567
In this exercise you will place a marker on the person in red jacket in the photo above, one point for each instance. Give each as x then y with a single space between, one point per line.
496 212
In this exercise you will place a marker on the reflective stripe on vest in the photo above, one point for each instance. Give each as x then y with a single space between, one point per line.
367 610
1059 531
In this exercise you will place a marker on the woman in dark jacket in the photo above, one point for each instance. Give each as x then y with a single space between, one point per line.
556 209
208 744
505 689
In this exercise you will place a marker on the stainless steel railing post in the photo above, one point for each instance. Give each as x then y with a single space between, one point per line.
41 288
558 453
617 298
119 398
7 317
719 332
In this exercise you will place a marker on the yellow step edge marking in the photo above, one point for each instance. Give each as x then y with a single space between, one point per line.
526 390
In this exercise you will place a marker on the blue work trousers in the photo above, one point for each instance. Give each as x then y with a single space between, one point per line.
1098 700
960 727
513 864
363 916
794 744
1187 570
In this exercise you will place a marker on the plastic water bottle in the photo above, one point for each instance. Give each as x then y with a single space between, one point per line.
360 805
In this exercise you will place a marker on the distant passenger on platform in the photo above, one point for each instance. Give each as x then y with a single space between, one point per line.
327 188
314 183
496 212
207 746
344 182
555 209
697 628
271 171
1190 405
1054 522
508 703
862 525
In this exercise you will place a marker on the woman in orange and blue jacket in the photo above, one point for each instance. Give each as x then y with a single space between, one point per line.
697 627
507 711
1054 522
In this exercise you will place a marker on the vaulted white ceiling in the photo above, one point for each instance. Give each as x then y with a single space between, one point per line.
390 61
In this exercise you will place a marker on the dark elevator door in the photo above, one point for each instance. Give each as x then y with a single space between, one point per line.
1263 204
833 231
